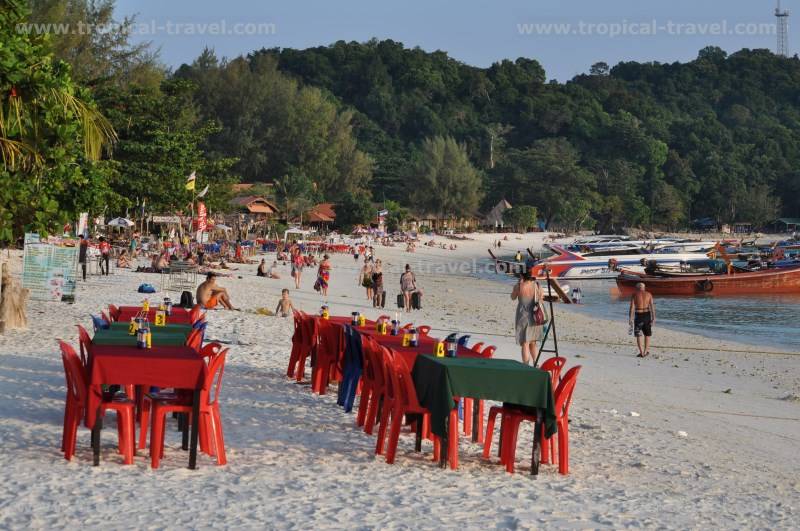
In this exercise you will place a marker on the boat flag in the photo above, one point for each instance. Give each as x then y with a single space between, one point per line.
190 181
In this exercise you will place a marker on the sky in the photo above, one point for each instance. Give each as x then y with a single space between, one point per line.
565 36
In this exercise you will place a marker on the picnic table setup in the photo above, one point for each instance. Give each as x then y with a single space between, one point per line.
144 371
403 375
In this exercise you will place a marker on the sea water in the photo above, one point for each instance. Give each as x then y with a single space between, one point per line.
759 320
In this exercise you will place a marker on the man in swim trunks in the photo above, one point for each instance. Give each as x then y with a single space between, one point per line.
642 318
209 295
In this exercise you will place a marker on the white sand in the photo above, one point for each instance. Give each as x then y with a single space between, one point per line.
654 443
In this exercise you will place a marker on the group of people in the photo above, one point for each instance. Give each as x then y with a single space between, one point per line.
531 317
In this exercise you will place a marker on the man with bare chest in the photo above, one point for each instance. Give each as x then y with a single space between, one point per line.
642 317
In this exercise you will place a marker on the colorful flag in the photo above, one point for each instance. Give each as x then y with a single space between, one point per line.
190 181
201 216
201 194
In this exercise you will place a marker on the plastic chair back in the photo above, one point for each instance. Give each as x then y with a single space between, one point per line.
424 330
113 312
408 391
554 366
463 340
390 378
213 383
85 342
76 381
477 347
564 391
99 323
488 352
194 313
210 351
195 339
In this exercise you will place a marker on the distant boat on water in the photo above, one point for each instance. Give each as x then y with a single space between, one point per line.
736 282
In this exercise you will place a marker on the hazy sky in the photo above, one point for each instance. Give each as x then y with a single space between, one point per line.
477 32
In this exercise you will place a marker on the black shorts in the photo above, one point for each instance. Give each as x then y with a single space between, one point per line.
643 324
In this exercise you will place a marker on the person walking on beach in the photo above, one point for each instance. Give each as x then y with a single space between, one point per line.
528 295
408 285
365 277
83 248
642 317
105 253
378 298
324 275
297 266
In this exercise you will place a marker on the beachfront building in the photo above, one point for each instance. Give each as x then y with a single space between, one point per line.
495 216
785 225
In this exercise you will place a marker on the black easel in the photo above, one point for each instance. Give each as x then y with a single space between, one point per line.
551 328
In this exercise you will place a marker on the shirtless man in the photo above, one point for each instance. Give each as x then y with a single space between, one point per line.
642 318
209 295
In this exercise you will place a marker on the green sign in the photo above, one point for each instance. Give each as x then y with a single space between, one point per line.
49 270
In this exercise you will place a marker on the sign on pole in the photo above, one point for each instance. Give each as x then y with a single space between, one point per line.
49 271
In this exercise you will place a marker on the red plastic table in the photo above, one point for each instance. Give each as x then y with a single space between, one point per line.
178 315
161 366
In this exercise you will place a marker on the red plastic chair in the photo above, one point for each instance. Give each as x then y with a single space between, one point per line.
370 384
330 348
114 312
400 400
477 347
75 408
211 351
563 397
424 330
210 426
195 313
84 342
304 342
554 366
378 391
195 339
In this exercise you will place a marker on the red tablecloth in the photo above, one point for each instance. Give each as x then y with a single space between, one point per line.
178 367
178 315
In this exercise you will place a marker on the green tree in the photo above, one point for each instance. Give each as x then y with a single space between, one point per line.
51 134
444 181
397 216
521 217
295 193
354 209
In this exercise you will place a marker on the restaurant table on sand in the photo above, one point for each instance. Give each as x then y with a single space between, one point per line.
148 364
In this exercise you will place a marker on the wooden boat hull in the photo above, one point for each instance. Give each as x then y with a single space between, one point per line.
770 281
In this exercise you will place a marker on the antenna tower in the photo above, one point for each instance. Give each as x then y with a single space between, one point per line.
782 17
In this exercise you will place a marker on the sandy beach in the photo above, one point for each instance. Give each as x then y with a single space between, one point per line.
702 434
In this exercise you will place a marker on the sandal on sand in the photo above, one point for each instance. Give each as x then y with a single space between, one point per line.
640 355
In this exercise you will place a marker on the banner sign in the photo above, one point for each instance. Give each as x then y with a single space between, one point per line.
83 224
201 216
166 219
49 271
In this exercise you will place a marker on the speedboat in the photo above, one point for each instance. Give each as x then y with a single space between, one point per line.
605 262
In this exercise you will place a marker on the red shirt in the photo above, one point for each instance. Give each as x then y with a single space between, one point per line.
105 248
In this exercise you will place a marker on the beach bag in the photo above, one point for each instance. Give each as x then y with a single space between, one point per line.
539 317
401 303
317 286
187 301
146 288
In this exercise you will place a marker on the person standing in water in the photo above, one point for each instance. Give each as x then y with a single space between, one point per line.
642 317
528 295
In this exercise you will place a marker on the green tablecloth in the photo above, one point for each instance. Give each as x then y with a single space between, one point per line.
439 380
162 338
174 328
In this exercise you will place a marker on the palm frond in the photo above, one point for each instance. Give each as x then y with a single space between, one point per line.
98 133
18 154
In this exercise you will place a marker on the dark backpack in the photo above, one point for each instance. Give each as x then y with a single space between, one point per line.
187 301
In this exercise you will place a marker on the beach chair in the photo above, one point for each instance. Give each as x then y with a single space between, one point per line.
210 422
75 408
377 389
113 312
330 345
563 398
469 403
400 400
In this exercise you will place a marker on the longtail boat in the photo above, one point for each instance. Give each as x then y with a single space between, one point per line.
765 281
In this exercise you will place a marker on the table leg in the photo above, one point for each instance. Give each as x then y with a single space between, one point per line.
536 452
418 441
195 424
185 431
98 427
445 444
475 425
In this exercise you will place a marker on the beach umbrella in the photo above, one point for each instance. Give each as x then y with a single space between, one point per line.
222 226
120 222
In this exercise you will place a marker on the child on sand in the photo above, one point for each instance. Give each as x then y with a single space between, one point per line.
285 307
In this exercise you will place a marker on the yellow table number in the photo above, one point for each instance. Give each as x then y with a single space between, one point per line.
161 318
362 320
406 340
146 306
439 349
132 328
383 328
